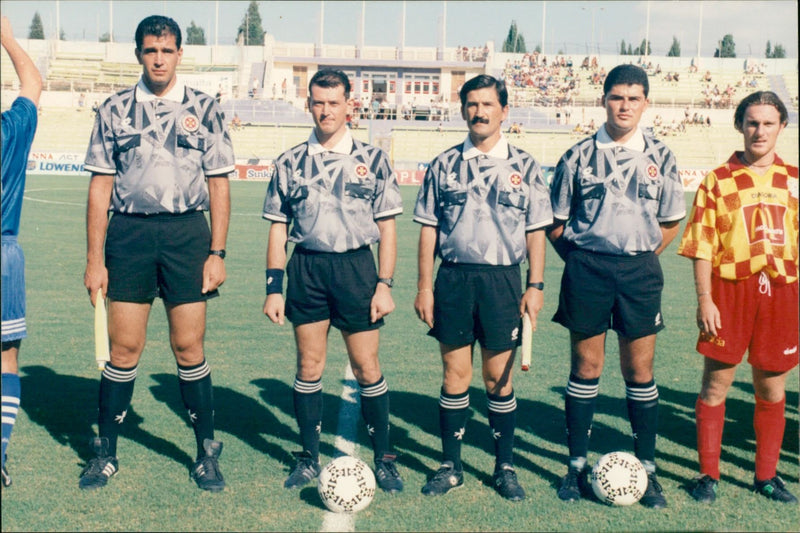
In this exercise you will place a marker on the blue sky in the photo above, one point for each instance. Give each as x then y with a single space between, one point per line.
569 26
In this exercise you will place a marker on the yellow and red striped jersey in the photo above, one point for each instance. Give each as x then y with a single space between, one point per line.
745 223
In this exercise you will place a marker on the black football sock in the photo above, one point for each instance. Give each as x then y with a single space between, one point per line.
453 412
579 405
375 410
198 399
503 421
642 400
308 412
116 391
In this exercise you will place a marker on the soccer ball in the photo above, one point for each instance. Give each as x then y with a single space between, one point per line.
346 485
618 478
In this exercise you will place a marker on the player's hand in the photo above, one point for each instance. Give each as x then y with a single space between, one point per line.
532 302
213 273
274 307
382 303
708 317
423 305
95 277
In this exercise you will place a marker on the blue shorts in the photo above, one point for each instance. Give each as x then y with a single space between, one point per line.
619 292
477 302
13 290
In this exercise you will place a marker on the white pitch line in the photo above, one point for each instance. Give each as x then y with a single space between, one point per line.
346 431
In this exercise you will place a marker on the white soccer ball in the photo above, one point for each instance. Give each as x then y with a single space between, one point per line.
346 485
619 478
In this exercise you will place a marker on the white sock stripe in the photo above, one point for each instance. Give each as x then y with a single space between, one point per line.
642 394
307 387
120 376
461 402
10 400
9 419
194 374
10 409
579 390
507 406
374 390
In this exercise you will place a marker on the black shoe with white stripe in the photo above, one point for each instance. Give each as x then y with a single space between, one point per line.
6 478
386 474
205 471
100 469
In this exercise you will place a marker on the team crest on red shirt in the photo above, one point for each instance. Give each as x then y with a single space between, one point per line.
515 179
652 171
190 123
361 170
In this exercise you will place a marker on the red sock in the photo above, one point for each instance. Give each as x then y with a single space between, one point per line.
769 423
710 421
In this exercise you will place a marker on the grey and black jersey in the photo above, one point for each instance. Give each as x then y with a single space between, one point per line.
160 149
613 198
483 204
332 198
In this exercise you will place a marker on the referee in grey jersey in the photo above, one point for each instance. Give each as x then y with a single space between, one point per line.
334 197
159 155
483 207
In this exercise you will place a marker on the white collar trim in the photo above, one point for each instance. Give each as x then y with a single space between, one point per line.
604 140
143 94
499 150
344 146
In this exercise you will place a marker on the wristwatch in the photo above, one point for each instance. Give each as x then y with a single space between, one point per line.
218 253
538 285
389 282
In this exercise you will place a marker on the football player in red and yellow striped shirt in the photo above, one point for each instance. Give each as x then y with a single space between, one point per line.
743 238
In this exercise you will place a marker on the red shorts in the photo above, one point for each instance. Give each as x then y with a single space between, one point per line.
757 316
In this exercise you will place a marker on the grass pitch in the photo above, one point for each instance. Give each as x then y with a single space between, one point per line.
252 365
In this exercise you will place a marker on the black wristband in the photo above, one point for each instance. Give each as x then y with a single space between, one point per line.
538 285
274 281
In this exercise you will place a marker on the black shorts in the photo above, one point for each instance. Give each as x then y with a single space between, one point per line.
332 286
157 255
477 302
600 291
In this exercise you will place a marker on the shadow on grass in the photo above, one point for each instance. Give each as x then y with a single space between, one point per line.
71 423
235 413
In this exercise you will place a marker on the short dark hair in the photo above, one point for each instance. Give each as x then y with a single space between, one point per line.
483 81
626 75
158 26
328 78
759 98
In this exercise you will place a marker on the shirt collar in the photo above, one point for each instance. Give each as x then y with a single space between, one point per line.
604 140
344 146
499 150
144 94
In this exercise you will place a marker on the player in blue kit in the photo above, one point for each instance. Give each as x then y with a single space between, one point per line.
334 197
483 208
160 156
19 126
617 203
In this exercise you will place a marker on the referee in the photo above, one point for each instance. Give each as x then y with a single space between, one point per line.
334 197
617 203
483 208
159 155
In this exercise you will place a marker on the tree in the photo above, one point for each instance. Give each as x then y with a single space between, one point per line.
622 50
727 47
778 52
250 27
630 50
640 50
105 38
62 35
675 49
36 30
538 49
195 34
515 42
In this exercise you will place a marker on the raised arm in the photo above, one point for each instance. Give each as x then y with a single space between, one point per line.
30 81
